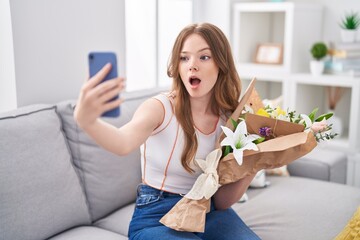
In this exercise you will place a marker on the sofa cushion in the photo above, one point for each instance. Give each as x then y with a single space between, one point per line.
290 208
118 221
40 192
299 208
110 181
88 233
322 164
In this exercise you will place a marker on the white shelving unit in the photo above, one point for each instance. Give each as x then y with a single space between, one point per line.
297 27
285 23
301 100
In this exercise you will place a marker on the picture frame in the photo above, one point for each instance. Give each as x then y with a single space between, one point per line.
269 53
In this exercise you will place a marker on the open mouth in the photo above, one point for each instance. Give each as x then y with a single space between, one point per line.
194 81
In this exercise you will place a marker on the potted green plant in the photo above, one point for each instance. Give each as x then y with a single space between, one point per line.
349 25
318 51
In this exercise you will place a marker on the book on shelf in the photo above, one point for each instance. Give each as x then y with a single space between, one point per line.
344 50
344 53
343 64
344 67
345 45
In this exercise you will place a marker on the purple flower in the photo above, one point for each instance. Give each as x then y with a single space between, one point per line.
265 131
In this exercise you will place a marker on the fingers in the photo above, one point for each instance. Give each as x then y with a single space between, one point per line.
99 76
110 94
112 104
118 83
96 97
102 89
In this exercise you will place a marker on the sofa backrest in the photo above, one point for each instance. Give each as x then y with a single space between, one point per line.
40 192
109 180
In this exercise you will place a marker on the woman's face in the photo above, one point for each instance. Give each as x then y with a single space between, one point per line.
198 70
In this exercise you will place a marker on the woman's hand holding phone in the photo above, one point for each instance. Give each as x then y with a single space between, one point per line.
96 99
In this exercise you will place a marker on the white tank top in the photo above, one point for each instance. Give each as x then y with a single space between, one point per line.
161 153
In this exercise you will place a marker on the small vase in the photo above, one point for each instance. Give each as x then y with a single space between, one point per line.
316 67
348 35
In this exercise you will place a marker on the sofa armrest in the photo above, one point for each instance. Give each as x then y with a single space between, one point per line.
322 164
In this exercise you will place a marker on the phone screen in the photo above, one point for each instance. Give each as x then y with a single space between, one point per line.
97 60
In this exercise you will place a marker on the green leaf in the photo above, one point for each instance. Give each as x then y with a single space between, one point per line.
234 123
324 116
312 114
350 21
259 140
227 150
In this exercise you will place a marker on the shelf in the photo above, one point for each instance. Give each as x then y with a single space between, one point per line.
297 27
282 23
306 86
303 92
326 80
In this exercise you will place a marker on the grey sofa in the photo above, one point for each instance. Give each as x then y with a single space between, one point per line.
56 183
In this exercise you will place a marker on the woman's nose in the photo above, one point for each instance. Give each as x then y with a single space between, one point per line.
194 68
193 65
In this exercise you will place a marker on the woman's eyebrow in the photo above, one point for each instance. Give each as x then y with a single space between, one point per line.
203 49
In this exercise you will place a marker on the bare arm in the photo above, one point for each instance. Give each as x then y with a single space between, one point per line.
230 193
93 101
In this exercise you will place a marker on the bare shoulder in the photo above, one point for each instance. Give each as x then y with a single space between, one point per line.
152 111
152 104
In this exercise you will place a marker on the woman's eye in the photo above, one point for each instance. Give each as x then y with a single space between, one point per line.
205 57
183 58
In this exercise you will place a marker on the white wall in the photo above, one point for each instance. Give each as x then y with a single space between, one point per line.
52 38
51 42
213 11
7 70
334 11
169 26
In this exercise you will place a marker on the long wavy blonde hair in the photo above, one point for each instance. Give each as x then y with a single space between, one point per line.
226 91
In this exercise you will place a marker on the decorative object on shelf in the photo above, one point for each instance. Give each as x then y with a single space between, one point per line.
318 51
349 25
344 59
269 53
334 96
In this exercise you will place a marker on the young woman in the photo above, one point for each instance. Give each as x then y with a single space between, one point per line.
173 129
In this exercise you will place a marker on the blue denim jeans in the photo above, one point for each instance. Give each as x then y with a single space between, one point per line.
153 204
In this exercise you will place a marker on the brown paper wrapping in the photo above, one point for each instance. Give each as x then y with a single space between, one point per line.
187 215
273 153
289 144
255 101
279 127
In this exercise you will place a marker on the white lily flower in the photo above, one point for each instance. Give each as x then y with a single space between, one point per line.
239 140
307 120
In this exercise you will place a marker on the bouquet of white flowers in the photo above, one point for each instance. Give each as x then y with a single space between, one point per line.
253 139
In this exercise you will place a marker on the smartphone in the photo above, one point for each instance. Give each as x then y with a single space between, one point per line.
97 60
